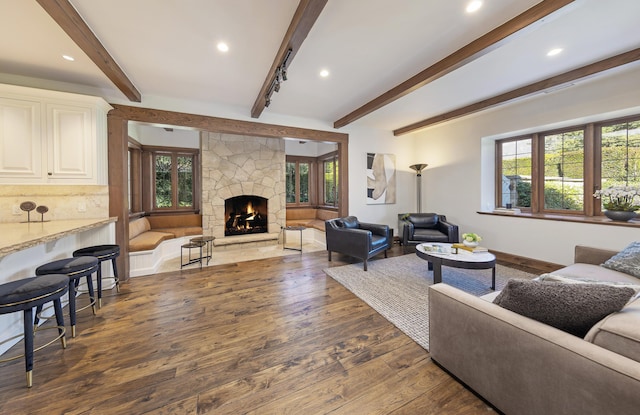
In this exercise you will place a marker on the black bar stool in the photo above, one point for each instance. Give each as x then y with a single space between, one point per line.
24 295
74 269
102 253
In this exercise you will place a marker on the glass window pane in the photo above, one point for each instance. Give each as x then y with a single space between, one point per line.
564 171
185 181
291 182
516 173
620 155
330 182
163 181
304 182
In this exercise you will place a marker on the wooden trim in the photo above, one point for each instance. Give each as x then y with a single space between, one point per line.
303 20
594 220
588 169
490 41
224 125
136 179
72 23
118 188
574 75
536 169
541 266
118 144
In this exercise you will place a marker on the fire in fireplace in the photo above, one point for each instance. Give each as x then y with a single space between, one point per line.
245 214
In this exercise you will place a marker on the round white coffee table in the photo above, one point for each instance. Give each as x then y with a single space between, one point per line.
439 254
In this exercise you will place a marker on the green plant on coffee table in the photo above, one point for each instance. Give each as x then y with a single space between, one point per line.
622 198
471 237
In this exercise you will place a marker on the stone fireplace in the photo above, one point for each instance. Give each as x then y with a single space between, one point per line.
235 166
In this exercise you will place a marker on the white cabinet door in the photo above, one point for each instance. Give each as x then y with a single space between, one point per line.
70 143
20 141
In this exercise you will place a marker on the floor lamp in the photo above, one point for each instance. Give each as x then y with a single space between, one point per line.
418 168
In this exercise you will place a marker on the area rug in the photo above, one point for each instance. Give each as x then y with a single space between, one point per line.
398 288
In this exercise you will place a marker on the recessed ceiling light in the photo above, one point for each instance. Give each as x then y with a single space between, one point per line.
474 6
68 57
324 73
223 47
554 52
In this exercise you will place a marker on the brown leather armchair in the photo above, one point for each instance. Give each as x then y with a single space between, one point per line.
428 227
357 239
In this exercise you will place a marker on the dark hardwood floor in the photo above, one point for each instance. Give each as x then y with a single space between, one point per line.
275 336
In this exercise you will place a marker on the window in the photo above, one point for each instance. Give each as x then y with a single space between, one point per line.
563 187
515 173
330 181
173 180
298 180
620 155
558 171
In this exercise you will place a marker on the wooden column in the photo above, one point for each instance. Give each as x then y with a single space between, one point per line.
118 187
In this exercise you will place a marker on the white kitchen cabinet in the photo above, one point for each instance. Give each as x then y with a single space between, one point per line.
52 137
20 140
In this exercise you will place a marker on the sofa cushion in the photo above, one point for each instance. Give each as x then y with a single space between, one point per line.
573 308
148 240
181 231
627 260
576 280
619 332
138 226
595 272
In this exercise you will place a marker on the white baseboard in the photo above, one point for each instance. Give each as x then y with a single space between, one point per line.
148 262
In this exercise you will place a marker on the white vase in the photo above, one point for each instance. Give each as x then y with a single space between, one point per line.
469 244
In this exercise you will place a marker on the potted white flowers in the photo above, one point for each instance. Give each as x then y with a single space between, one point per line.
620 202
471 239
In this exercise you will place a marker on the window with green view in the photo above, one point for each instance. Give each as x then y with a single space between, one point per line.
516 173
163 167
620 163
564 171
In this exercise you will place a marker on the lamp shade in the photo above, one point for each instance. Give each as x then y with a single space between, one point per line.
418 167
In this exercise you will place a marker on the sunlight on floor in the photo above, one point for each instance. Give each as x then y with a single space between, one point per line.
239 255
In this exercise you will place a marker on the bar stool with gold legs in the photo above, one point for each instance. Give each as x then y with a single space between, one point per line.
74 269
103 253
24 295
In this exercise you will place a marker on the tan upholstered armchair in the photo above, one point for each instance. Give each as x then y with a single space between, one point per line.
357 239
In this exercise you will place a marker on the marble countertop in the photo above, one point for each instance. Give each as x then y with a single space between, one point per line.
19 236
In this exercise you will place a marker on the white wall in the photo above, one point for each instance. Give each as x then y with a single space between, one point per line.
158 136
459 179
366 140
454 183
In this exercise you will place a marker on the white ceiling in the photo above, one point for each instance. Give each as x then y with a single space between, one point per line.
167 48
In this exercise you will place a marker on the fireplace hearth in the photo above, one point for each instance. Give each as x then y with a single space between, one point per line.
245 215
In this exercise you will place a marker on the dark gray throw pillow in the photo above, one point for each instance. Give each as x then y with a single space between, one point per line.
573 308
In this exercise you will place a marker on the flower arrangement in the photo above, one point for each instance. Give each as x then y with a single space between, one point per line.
471 237
622 198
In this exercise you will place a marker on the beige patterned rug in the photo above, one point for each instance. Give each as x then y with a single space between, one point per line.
398 288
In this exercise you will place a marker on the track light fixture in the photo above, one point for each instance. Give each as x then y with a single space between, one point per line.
279 77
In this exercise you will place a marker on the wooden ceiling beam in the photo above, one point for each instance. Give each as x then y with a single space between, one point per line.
72 23
525 91
303 20
467 54
223 125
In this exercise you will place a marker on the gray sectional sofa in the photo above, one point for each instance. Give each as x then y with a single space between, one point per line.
523 366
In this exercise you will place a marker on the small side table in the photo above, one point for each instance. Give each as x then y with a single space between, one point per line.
208 241
191 260
284 236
